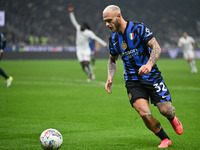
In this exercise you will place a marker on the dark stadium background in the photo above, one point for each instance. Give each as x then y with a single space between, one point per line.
167 19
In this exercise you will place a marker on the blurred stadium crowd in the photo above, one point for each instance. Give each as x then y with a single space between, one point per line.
167 19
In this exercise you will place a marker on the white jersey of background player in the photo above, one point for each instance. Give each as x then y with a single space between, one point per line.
187 44
83 51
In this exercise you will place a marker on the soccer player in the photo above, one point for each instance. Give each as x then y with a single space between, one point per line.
187 43
83 52
139 51
2 46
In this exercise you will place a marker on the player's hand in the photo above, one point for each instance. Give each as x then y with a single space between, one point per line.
70 8
145 69
1 53
108 85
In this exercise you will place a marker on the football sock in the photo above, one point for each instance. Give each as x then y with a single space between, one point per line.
3 74
90 69
86 70
192 64
162 135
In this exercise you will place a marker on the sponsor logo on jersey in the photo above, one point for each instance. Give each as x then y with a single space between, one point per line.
132 51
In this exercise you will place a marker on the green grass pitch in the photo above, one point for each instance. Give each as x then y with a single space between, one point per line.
54 94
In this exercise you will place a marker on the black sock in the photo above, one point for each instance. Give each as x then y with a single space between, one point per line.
3 74
162 135
170 119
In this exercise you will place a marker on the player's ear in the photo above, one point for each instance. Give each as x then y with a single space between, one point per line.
119 15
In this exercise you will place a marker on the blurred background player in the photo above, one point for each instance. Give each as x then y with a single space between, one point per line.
92 47
187 43
83 51
9 79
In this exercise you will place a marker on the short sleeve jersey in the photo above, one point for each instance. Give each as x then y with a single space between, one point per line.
134 51
186 43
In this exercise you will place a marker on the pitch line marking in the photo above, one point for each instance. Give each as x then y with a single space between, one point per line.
79 82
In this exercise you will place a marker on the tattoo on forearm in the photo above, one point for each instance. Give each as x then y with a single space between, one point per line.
156 50
112 65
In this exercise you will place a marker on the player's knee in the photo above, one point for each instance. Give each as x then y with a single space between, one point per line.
167 111
163 111
145 114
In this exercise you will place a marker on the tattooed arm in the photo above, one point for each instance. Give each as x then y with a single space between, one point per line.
112 65
155 54
156 50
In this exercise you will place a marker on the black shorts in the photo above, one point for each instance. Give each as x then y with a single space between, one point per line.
157 91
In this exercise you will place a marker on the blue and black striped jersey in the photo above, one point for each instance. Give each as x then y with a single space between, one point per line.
134 51
92 44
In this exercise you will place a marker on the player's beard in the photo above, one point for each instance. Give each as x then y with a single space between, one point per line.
116 26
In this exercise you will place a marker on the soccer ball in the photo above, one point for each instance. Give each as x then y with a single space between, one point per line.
51 139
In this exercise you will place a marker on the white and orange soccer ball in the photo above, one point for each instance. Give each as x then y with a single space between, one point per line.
51 139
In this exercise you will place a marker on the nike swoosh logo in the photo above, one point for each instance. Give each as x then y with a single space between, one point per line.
164 96
115 43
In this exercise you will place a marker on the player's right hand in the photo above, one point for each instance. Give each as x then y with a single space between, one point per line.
108 85
145 69
70 8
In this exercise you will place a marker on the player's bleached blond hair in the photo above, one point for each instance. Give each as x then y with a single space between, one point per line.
112 8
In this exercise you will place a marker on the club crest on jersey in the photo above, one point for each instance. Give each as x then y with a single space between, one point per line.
131 36
124 45
129 96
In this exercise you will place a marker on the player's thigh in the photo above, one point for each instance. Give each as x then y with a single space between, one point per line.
191 54
136 91
141 105
87 57
188 54
185 55
79 56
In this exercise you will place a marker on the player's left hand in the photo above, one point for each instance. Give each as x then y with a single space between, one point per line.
1 53
145 69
